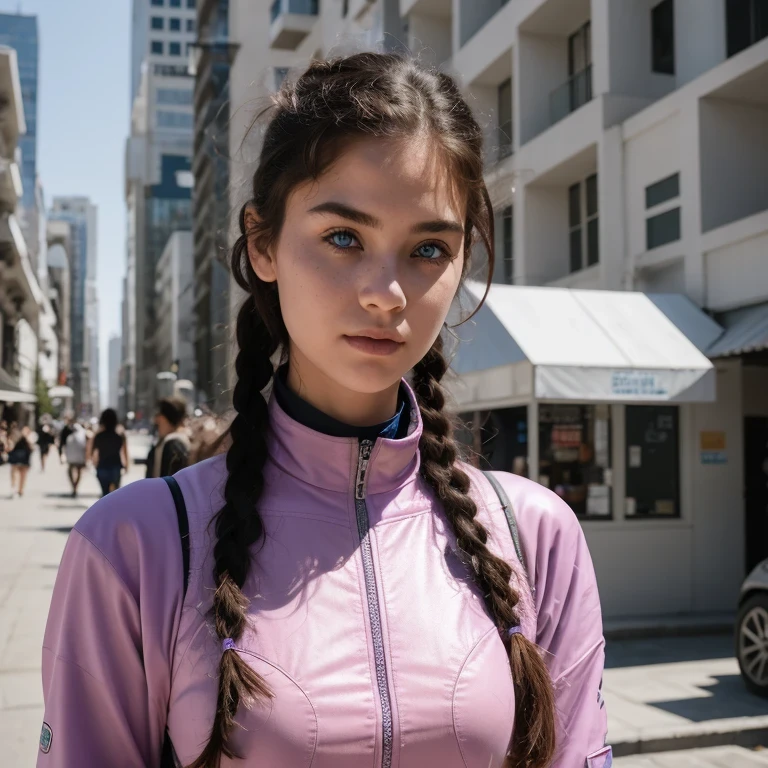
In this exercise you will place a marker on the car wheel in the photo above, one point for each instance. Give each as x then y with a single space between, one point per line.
752 643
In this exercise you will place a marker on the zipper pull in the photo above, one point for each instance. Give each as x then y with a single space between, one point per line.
363 457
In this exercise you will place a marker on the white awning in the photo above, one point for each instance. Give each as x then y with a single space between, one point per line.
61 391
532 343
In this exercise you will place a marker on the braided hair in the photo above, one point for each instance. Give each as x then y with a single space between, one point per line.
534 696
371 95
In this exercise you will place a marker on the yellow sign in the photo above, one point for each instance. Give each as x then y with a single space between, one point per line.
712 441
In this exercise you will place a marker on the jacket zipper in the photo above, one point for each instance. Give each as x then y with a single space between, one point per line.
374 615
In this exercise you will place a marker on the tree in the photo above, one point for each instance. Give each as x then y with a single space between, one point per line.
44 404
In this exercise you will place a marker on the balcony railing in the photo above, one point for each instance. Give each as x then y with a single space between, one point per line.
306 7
572 94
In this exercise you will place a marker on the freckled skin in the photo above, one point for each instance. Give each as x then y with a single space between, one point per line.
383 277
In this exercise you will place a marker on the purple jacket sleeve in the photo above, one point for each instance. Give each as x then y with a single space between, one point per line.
106 652
569 621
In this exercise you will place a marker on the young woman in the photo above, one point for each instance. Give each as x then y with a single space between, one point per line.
354 594
109 452
20 457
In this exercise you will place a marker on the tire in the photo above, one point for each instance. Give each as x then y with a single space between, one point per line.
752 643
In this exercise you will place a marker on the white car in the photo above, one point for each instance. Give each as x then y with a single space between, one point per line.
752 630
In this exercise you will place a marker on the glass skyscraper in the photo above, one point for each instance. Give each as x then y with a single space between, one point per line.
20 32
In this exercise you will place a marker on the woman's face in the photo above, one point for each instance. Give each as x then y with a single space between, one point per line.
367 263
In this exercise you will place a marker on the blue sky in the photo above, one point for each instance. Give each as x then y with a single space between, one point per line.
83 121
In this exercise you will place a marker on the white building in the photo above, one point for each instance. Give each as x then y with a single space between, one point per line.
627 150
115 355
175 296
20 295
158 175
161 33
81 216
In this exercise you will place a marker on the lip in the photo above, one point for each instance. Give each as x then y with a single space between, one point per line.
372 346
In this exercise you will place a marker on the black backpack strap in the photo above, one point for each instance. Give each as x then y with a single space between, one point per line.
168 756
183 520
509 513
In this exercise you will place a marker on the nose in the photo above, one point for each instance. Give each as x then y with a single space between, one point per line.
381 289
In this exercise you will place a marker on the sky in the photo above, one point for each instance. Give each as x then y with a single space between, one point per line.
82 124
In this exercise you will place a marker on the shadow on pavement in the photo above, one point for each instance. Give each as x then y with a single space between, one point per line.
69 495
667 650
51 528
729 698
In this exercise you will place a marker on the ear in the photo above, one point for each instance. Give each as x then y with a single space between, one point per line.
262 263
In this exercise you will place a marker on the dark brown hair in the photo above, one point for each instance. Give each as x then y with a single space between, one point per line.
330 104
173 408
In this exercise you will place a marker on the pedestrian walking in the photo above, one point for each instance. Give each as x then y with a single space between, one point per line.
45 439
75 451
66 431
19 457
171 452
108 450
4 442
339 588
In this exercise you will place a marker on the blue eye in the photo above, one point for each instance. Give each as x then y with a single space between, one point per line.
430 251
341 239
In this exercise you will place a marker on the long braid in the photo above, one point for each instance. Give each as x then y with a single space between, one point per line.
533 744
238 526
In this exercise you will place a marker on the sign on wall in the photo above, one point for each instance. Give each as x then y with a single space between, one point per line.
712 447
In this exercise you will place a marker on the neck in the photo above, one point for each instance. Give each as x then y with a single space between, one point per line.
358 409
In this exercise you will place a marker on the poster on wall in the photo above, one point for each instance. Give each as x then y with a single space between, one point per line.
712 447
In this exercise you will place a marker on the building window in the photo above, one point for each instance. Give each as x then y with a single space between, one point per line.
174 3
653 461
663 38
661 191
174 49
190 25
174 96
746 23
191 3
496 439
507 242
174 25
157 47
663 227
157 22
584 224
503 267
505 119
167 119
575 456
157 3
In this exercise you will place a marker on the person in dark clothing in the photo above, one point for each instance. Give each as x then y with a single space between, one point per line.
66 431
19 458
109 452
171 452
45 439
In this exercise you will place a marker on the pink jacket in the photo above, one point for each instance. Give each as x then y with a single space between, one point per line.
365 625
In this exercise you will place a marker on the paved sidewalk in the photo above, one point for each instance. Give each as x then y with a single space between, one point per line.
679 692
33 531
716 757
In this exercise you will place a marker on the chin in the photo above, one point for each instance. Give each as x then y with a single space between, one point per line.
368 377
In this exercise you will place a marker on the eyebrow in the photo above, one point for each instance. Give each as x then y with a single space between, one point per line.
366 220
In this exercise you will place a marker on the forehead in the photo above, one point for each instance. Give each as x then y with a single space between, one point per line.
403 180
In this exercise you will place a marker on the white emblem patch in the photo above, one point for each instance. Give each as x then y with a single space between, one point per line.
46 738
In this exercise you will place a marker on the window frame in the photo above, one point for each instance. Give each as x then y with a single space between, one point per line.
505 130
174 3
160 48
585 232
157 23
663 202
172 47
157 3
677 500
174 20
663 62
